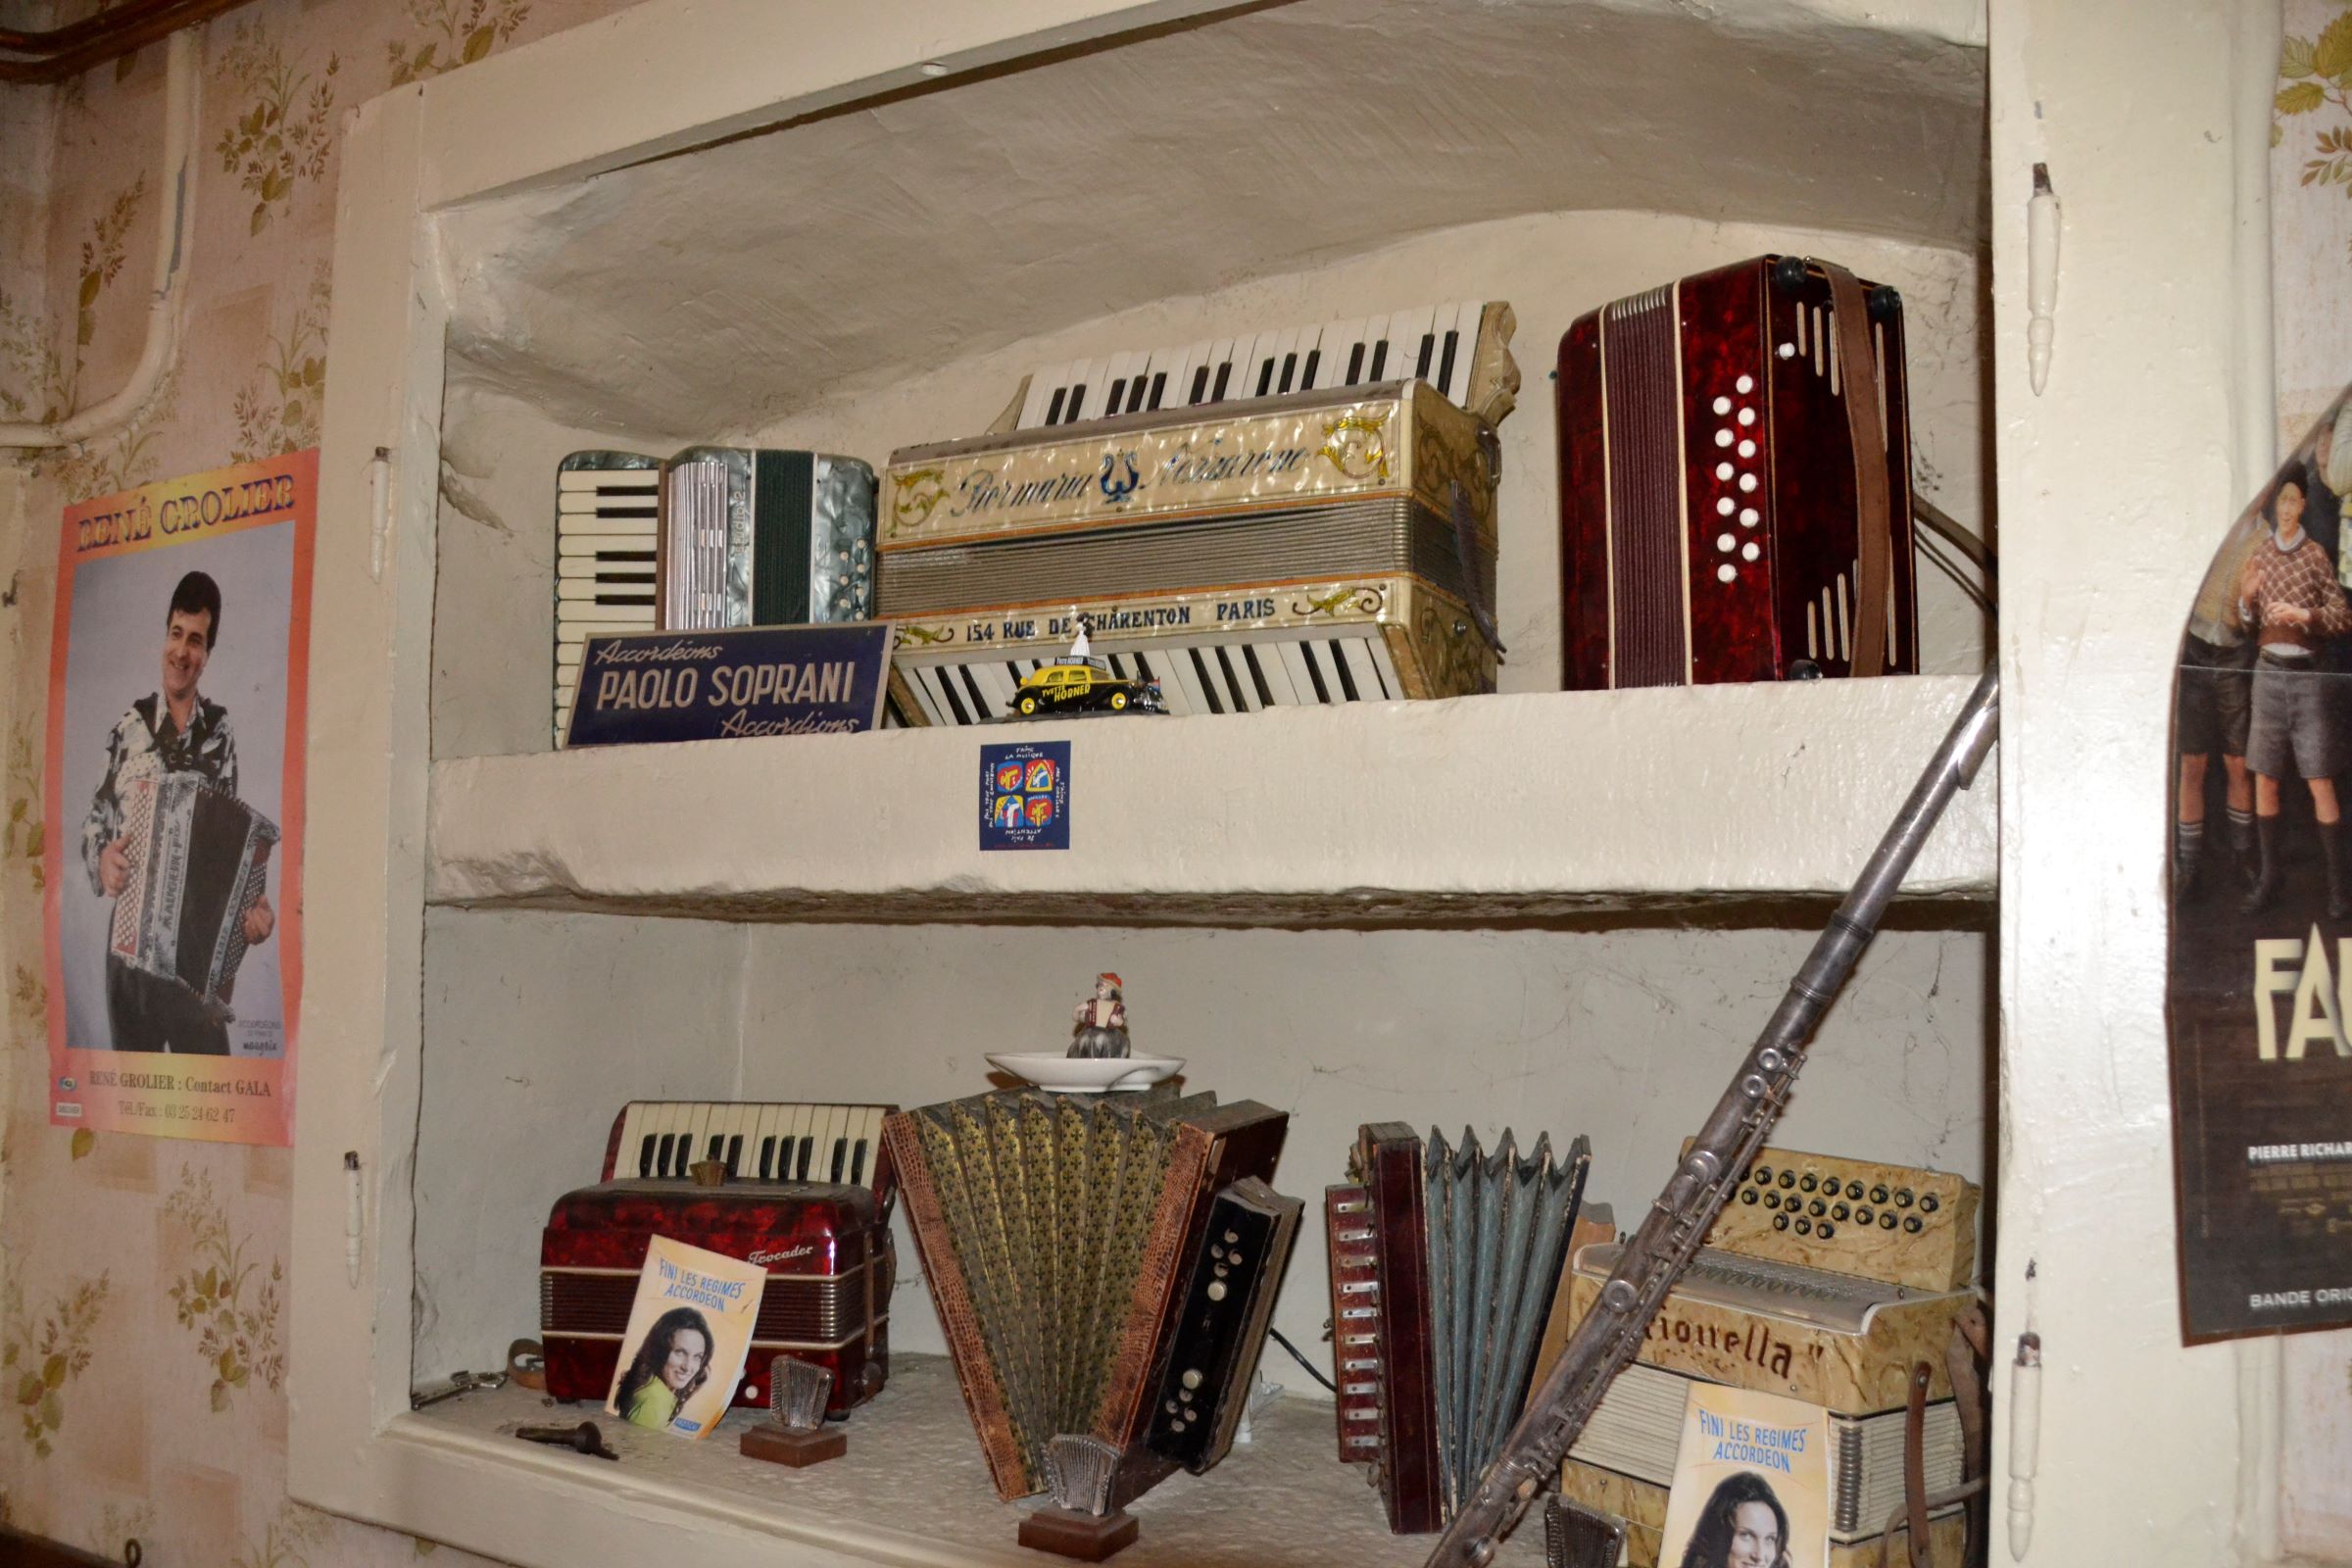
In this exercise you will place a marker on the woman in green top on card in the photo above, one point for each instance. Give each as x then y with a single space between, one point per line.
670 1365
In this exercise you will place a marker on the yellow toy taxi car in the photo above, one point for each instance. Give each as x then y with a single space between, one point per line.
1080 684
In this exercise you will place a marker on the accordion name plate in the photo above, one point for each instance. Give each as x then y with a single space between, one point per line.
727 685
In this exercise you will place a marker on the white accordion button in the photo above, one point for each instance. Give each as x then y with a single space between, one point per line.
1747 383
1747 516
1723 470
1724 507
1747 449
1726 573
1724 542
1747 481
1750 550
1748 415
1723 404
1723 438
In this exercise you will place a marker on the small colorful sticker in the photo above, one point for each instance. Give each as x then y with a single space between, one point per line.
1025 795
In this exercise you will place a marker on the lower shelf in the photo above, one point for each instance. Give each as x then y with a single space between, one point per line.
913 1490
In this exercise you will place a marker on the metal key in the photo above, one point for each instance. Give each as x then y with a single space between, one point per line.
586 1438
458 1383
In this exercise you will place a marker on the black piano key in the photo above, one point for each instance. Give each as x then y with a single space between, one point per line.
971 689
808 1149
1314 671
1077 403
1290 369
1014 670
718 1147
662 1164
1208 682
1135 394
858 1164
645 1156
768 1158
1257 676
1339 661
1429 349
735 1152
1306 380
642 596
1143 671
1118 393
1265 378
1224 374
1199 385
1053 408
841 1156
1380 361
1118 667
947 689
1445 365
1159 387
1233 685
1355 365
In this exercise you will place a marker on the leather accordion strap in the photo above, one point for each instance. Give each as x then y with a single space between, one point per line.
1874 527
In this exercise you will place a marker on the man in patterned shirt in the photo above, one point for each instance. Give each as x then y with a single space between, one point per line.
2289 601
173 730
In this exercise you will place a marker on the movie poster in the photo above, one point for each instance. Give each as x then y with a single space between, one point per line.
1752 1482
2259 989
689 1333
173 805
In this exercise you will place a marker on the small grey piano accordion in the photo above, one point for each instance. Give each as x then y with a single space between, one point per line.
710 538
199 858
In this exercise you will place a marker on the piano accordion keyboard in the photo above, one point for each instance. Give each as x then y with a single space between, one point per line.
1230 676
763 1143
605 565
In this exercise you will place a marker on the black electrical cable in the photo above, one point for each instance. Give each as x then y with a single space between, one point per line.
1312 1370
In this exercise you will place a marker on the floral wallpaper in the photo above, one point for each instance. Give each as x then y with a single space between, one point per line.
143 1301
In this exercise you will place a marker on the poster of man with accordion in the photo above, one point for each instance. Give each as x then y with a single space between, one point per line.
174 767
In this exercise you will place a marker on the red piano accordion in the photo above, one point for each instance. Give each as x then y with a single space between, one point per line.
1735 500
809 1193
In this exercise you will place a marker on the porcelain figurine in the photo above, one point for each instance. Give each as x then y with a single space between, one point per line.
1102 1021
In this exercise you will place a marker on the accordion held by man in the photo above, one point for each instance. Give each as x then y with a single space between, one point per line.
1443 1265
199 858
1104 1266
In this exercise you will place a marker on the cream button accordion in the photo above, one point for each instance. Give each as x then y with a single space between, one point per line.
1823 1280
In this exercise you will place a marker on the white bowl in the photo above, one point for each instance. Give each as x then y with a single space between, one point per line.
1086 1075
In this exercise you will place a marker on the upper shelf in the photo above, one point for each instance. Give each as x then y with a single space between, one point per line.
843 249
1476 810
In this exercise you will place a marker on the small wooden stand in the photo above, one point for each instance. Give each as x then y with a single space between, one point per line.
1086 1537
779 1445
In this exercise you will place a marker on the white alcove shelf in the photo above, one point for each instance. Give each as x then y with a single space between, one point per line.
853 228
1524 807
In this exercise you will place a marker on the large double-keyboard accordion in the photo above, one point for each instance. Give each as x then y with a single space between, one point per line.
1735 481
1444 1263
1325 545
1825 1280
808 1194
710 538
199 860
1104 1266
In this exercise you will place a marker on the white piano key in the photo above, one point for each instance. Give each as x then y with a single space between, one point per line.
1449 373
690 1138
1289 655
1276 674
1282 364
1323 678
1178 391
1085 401
1408 337
831 1152
1117 371
760 1148
625 1152
946 693
995 685
1350 652
1317 367
1043 382
1375 649
1262 365
926 699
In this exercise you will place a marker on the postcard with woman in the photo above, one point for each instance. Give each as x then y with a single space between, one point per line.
1752 1482
689 1332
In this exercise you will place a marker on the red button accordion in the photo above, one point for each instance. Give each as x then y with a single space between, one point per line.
1735 498
808 1194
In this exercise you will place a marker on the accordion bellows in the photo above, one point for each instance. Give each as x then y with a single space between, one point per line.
1056 1234
199 858
1444 1263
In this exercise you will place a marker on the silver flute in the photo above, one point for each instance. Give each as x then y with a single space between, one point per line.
1606 1338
